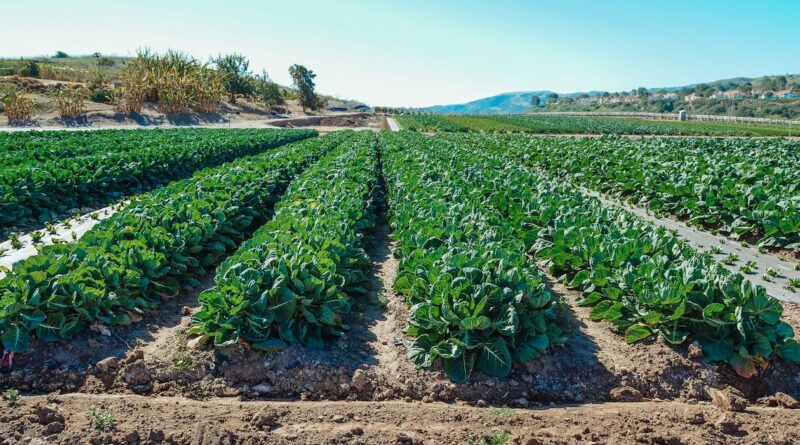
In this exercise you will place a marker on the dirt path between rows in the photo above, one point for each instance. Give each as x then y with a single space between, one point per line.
67 419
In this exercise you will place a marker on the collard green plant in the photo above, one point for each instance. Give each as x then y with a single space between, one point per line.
748 188
45 174
476 300
293 281
640 278
161 241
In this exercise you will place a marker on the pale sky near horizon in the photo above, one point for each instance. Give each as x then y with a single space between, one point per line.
420 53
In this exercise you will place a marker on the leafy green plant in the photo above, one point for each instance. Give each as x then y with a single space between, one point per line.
666 289
45 174
292 282
145 253
731 259
749 267
772 272
101 420
16 242
476 301
36 237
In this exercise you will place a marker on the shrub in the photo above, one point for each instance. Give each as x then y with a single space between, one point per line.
17 105
70 101
28 68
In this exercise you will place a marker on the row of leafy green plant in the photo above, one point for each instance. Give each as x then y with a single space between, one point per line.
583 124
145 253
749 188
35 147
294 280
115 164
642 279
476 299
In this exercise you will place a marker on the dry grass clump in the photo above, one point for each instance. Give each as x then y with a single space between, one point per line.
18 106
70 101
175 81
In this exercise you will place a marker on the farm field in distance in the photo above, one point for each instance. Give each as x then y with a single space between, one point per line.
533 123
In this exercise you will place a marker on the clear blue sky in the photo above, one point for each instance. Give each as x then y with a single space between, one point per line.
417 52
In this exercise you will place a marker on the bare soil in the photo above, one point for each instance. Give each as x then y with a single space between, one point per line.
66 419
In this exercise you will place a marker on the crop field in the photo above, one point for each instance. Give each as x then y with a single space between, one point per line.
46 175
586 125
396 267
746 187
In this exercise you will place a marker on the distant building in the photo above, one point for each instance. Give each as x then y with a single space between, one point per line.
767 94
718 95
786 94
691 97
734 94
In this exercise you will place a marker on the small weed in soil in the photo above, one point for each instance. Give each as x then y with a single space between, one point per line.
183 359
12 395
494 439
503 412
101 420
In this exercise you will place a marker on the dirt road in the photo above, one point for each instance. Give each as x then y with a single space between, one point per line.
68 419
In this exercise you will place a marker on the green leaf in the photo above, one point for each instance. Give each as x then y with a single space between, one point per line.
590 299
494 358
476 323
717 350
790 351
459 369
15 339
637 333
271 345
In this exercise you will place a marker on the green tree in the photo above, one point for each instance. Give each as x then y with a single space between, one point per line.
746 88
236 69
535 101
303 80
61 55
267 92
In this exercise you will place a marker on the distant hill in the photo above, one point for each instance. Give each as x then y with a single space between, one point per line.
520 101
502 103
